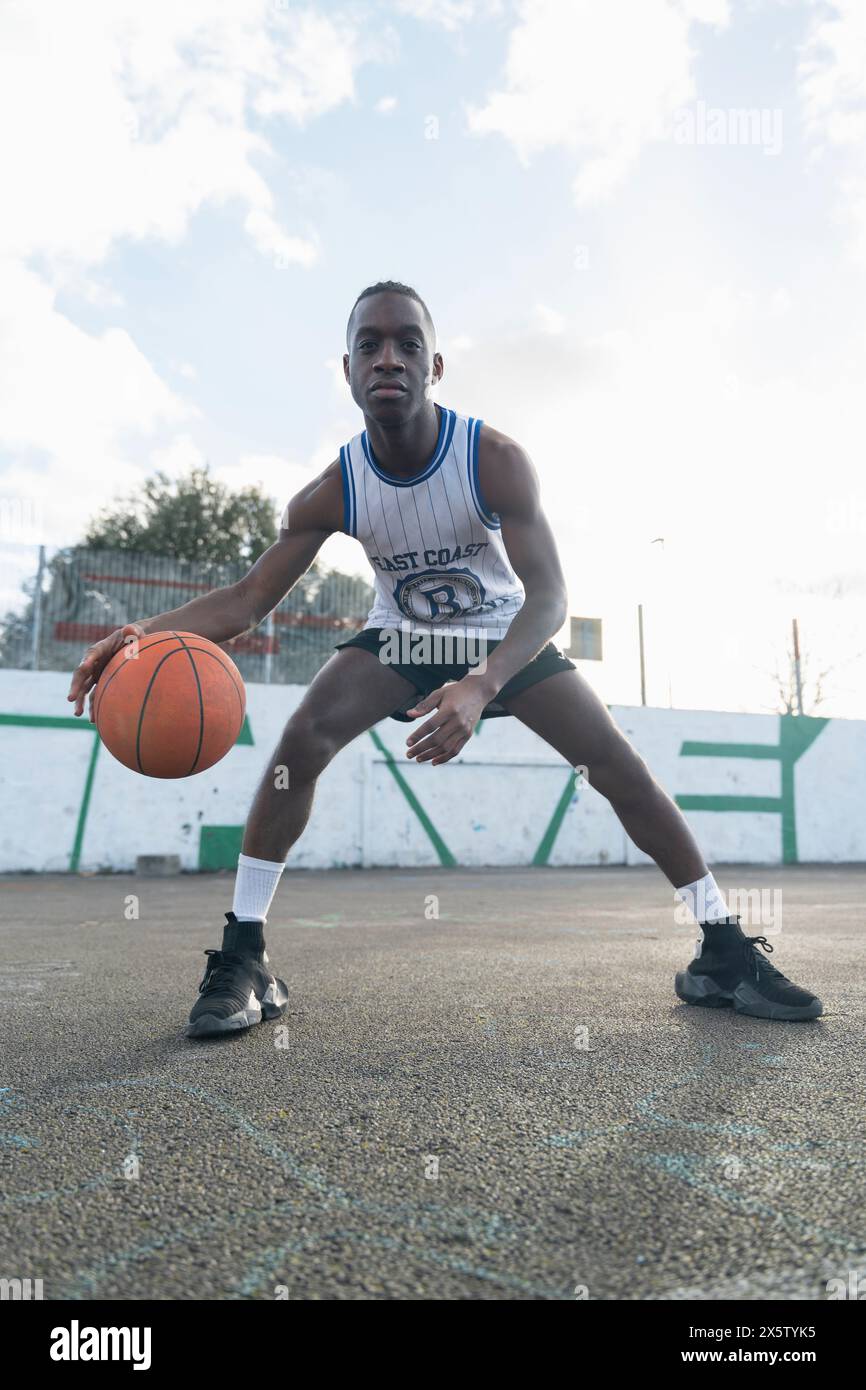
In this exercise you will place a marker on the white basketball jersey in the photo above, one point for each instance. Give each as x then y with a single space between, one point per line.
436 550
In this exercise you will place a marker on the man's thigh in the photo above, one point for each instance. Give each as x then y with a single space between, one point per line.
353 691
566 712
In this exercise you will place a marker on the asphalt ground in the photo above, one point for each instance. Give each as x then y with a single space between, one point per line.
504 1101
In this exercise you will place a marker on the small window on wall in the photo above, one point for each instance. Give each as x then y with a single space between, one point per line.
585 640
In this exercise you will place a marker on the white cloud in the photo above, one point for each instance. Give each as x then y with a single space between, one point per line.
71 404
271 240
599 80
685 426
450 14
179 456
386 105
693 424
548 320
151 119
122 122
62 386
832 76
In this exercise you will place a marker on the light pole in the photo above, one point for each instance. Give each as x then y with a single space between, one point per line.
660 540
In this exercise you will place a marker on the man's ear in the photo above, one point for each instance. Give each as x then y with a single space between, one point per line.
346 365
438 367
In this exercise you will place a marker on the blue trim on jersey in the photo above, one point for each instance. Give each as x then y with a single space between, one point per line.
490 519
349 498
443 444
345 470
354 493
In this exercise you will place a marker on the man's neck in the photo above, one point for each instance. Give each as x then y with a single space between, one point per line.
406 449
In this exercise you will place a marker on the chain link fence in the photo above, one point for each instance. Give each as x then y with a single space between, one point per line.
55 602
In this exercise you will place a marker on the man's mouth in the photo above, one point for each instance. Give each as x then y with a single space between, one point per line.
388 390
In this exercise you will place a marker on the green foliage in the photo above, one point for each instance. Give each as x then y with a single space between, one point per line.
191 518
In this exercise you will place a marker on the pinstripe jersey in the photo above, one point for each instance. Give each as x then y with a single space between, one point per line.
437 553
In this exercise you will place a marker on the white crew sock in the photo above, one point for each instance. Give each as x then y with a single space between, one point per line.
704 900
255 886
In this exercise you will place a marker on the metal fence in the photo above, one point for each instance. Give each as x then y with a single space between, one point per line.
55 602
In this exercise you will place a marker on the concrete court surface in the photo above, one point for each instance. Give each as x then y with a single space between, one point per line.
430 1122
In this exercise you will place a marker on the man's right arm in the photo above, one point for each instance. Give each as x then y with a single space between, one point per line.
313 514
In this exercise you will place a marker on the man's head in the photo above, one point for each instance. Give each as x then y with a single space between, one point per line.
392 363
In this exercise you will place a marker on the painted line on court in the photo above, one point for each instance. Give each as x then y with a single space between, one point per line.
478 1227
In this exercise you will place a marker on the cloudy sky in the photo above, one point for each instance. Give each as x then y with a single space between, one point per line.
640 226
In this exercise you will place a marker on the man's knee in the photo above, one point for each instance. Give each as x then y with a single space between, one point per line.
307 746
619 772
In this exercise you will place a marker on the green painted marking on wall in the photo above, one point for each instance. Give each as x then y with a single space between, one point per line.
219 846
542 854
218 850
796 734
730 803
246 733
729 750
84 807
444 853
48 721
59 721
548 839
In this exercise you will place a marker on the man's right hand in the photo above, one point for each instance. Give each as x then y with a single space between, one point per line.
92 664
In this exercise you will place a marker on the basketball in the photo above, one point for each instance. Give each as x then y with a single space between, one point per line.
170 704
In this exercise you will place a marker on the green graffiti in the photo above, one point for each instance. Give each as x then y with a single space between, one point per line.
219 846
797 732
57 721
542 854
68 722
246 734
442 850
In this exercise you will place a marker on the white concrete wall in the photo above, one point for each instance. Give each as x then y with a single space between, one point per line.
492 806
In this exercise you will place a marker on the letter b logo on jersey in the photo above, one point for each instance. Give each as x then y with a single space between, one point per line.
439 594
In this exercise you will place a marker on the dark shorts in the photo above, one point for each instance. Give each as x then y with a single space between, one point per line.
425 678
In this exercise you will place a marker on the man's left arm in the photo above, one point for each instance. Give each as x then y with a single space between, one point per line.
510 489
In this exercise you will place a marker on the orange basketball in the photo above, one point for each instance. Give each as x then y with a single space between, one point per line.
169 704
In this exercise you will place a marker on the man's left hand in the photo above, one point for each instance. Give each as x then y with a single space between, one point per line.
458 708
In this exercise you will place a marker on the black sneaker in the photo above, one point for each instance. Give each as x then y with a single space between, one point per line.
731 970
237 991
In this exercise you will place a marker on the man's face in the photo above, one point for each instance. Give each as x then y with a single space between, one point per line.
392 361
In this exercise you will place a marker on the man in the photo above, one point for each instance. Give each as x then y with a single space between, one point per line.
448 512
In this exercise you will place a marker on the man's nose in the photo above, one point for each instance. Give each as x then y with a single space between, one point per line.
388 359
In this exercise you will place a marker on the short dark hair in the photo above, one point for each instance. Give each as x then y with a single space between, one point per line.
392 287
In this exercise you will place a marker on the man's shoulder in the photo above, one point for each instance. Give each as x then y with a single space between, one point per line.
500 448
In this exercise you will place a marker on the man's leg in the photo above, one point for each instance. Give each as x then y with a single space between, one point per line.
351 693
565 711
729 969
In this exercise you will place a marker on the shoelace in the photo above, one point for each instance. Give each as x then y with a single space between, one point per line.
219 970
760 963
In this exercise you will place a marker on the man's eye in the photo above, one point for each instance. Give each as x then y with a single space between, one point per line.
412 344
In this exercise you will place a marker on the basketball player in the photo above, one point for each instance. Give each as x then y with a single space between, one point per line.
448 512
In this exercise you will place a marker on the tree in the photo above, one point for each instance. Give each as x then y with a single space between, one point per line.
192 518
178 538
814 690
